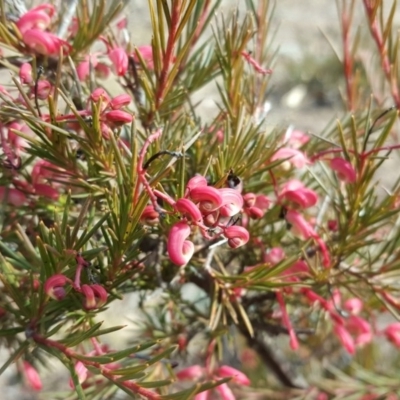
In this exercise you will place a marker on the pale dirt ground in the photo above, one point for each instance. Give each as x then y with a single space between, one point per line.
299 25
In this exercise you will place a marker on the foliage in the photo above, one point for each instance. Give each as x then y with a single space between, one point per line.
242 235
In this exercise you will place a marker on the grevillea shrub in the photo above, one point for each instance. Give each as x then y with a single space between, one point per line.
261 262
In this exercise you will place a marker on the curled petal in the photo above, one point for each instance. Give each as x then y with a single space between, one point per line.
343 169
43 42
208 197
54 286
196 181
187 207
95 296
237 236
294 191
180 250
226 371
36 17
232 202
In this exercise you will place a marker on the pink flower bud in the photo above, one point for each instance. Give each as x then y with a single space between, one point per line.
81 372
12 196
95 296
149 216
232 202
345 338
225 392
32 376
295 138
100 94
118 117
254 212
192 372
179 249
343 169
146 52
44 89
194 182
249 199
392 333
119 58
208 197
239 377
25 73
54 286
44 43
294 191
120 101
187 207
237 236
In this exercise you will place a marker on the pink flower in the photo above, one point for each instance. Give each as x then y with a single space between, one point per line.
237 236
275 255
232 202
293 156
294 191
149 215
360 328
187 207
44 43
120 61
208 197
239 377
196 181
343 169
95 296
54 286
179 249
100 94
392 333
31 376
118 117
225 392
38 18
25 73
120 101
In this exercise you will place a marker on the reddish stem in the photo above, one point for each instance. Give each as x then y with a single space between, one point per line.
106 372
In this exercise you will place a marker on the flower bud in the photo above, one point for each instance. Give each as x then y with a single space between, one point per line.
25 73
225 371
237 236
54 286
119 58
120 101
118 117
32 376
344 170
95 296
